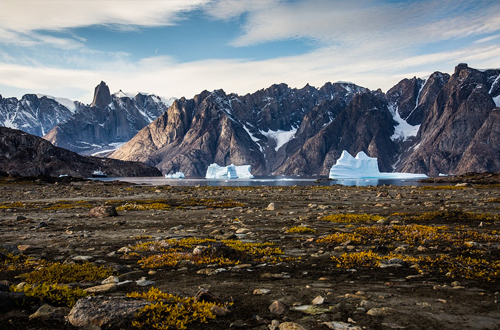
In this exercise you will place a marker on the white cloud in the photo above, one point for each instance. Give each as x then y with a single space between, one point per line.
363 23
23 18
370 43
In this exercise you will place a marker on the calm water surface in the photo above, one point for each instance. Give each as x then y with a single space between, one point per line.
265 181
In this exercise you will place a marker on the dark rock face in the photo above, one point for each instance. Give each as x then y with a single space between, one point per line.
109 119
457 135
365 124
225 129
28 155
102 96
448 123
33 114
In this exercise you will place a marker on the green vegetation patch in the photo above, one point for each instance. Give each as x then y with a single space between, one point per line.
173 252
73 273
170 311
54 294
301 230
351 218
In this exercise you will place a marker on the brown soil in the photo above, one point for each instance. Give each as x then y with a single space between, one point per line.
427 301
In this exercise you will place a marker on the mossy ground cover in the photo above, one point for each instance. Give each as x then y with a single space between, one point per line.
201 252
460 248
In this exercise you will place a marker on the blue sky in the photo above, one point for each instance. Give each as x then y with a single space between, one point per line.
177 48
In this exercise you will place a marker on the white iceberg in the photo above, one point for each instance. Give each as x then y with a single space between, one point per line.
176 175
232 171
215 171
364 167
243 171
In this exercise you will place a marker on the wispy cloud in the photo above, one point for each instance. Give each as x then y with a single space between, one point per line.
373 43
22 21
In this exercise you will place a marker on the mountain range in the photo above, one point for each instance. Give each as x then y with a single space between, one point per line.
441 124
110 120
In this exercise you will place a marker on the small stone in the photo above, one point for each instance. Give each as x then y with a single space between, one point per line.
47 312
242 231
311 309
176 228
103 211
124 250
207 296
271 207
111 279
83 258
382 311
102 288
400 249
277 308
23 248
291 326
261 291
143 282
207 271
341 326
274 325
318 300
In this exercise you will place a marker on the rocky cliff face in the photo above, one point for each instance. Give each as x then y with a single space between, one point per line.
110 119
443 124
456 133
28 155
225 129
33 114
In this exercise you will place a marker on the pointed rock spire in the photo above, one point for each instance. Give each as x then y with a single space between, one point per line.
102 96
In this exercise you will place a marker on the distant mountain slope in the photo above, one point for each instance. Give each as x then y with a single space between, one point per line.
458 133
28 155
35 114
250 129
108 121
442 124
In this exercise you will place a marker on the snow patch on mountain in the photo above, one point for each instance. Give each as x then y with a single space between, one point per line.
403 131
497 101
281 137
69 104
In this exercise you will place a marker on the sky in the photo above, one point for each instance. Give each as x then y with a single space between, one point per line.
176 48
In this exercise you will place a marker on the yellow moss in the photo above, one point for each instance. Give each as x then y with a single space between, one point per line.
454 216
351 218
174 251
170 311
54 294
300 230
11 205
20 262
59 273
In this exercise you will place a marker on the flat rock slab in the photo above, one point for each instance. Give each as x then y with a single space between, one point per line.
102 311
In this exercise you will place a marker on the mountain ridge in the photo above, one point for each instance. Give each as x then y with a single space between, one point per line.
327 120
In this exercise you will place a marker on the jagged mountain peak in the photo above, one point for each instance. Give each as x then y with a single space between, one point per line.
102 96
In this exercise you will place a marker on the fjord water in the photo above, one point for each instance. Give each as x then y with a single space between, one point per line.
265 181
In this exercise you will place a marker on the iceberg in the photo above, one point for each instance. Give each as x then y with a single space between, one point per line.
215 171
176 175
243 172
364 167
232 171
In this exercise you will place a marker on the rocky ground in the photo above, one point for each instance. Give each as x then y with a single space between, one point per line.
414 258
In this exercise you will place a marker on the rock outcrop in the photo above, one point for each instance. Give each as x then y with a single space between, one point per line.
458 133
28 155
443 124
110 119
